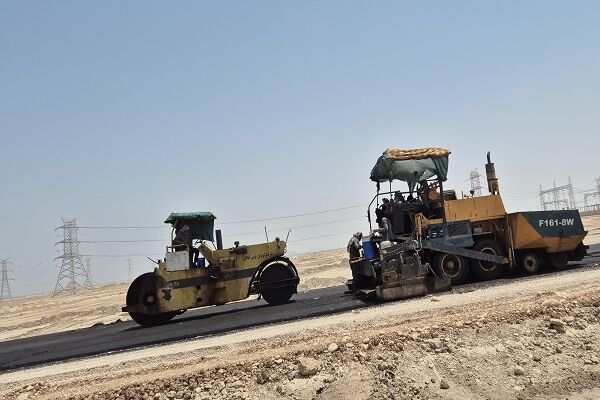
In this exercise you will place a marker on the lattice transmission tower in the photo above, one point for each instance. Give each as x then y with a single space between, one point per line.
593 194
558 197
5 287
475 183
73 275
587 196
88 268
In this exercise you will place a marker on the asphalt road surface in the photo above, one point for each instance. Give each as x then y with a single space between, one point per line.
196 323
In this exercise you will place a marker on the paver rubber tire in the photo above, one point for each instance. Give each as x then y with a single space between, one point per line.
485 270
558 260
529 263
451 265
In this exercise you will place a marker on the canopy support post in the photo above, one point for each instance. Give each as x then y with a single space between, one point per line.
444 221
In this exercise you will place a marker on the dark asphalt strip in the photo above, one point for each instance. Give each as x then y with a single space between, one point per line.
196 323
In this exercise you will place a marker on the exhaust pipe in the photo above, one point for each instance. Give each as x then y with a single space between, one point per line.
490 171
219 239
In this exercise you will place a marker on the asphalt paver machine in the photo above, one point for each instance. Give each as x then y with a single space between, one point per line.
439 240
395 268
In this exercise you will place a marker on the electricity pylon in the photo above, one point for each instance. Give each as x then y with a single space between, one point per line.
73 275
475 183
4 286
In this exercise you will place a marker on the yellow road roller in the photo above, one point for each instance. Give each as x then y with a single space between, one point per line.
192 274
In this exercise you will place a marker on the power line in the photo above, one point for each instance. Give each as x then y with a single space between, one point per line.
321 236
232 234
297 227
120 255
519 197
233 222
519 189
229 234
123 227
148 255
223 223
293 216
122 241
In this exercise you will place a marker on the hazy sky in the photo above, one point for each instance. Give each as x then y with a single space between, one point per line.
118 113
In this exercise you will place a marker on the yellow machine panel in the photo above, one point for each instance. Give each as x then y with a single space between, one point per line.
475 208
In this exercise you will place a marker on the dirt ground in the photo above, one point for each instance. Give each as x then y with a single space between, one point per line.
592 224
529 338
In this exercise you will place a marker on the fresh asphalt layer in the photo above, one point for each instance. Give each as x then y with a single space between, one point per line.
194 323
206 321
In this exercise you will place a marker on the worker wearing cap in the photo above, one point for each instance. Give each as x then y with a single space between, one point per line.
384 225
354 246
183 238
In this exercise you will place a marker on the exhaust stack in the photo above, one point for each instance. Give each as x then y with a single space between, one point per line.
490 171
219 239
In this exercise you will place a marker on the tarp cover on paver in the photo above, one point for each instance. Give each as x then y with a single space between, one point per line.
201 223
411 165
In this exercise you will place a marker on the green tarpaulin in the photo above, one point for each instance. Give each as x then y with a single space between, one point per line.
201 223
411 165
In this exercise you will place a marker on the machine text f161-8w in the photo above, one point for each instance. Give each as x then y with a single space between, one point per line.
557 222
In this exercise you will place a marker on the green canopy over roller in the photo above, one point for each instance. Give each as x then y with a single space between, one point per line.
201 223
411 165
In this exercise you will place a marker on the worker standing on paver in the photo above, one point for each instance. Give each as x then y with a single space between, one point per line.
385 226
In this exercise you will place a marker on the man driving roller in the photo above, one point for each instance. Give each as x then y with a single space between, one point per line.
183 238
